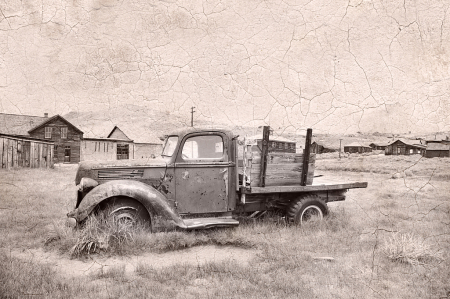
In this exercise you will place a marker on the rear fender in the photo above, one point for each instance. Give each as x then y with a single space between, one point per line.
161 213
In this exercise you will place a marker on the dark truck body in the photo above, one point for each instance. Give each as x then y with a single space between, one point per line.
202 180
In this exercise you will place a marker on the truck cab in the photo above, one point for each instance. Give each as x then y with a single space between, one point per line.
195 175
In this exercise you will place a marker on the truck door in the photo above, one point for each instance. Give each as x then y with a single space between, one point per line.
202 170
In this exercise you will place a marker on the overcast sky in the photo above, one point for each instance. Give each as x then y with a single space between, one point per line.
336 66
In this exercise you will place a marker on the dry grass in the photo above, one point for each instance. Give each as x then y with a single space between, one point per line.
356 234
411 249
404 166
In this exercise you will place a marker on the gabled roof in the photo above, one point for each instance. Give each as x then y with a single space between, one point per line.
327 143
16 124
410 142
378 144
438 147
104 128
118 132
51 119
356 144
138 134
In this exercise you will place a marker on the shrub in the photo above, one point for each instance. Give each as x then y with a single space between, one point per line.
410 249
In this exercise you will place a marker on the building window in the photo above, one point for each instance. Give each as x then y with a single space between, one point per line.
48 132
286 146
122 151
411 151
64 132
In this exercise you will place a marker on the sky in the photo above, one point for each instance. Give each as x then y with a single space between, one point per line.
336 66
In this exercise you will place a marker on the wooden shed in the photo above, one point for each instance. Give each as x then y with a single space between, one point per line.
405 147
437 150
320 147
357 147
22 151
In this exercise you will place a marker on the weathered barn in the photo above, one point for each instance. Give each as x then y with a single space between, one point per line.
405 147
21 151
437 150
357 147
66 137
319 147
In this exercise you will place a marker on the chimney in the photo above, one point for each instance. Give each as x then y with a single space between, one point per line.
46 115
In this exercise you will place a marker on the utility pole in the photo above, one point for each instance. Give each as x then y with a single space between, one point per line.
340 143
192 116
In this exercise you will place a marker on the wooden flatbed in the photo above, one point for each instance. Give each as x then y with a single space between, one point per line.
308 188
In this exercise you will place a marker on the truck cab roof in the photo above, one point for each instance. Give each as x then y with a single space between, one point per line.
185 131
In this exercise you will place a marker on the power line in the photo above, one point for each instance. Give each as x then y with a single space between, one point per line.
192 116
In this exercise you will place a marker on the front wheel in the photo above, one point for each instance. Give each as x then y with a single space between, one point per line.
306 209
127 212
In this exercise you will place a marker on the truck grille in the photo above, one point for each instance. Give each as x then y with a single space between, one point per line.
114 174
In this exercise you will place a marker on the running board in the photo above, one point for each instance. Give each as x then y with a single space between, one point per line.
202 223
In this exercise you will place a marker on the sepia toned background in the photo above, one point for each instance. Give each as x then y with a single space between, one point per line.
335 66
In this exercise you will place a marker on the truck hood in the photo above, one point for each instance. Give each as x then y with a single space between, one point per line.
85 169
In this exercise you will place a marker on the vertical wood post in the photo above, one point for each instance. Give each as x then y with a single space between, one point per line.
8 156
306 154
264 152
2 151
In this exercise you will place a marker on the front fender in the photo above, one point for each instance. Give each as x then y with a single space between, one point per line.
154 201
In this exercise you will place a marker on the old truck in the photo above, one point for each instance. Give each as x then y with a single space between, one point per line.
204 179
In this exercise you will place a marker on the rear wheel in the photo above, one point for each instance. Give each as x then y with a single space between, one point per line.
127 212
307 208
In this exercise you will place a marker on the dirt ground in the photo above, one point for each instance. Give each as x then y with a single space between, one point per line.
199 255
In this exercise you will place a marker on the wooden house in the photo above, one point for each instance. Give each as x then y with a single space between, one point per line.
276 143
356 147
66 137
435 149
405 147
321 147
378 146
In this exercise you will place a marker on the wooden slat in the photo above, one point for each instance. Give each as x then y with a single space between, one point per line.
15 160
288 189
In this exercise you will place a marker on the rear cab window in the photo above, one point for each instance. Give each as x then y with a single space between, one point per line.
203 148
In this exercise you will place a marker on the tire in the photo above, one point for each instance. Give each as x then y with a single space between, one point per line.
127 212
302 209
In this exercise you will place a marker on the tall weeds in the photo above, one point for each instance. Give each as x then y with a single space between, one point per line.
410 249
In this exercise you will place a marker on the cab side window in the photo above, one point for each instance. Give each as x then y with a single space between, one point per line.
203 148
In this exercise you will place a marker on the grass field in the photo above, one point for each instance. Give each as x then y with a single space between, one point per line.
391 240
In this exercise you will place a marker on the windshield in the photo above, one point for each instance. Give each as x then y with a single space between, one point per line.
169 146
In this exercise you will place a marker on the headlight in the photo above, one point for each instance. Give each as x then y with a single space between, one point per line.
86 184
